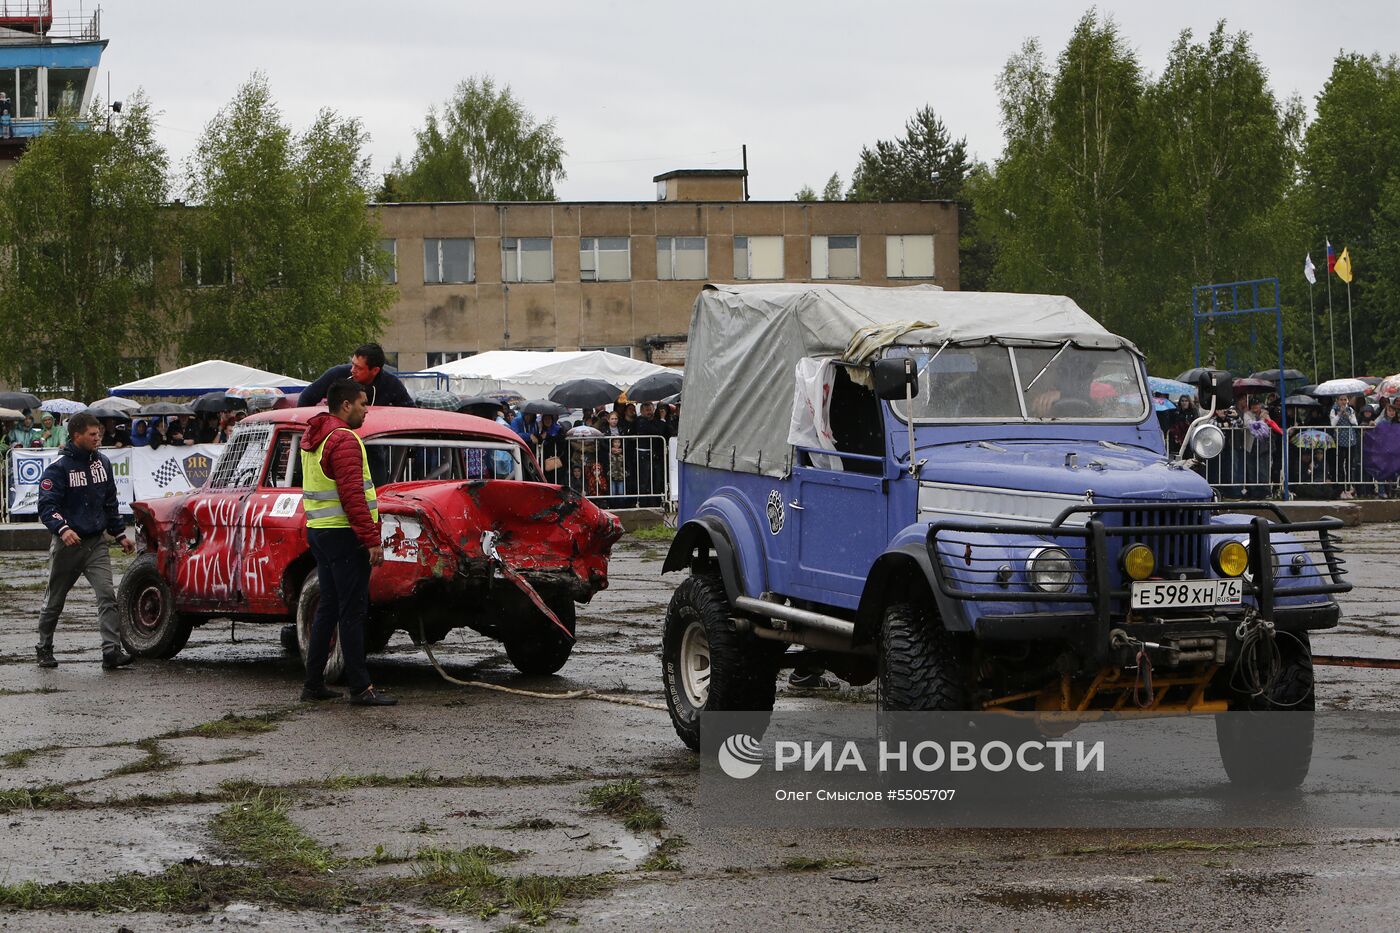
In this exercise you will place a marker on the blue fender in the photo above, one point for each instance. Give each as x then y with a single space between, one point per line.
907 558
724 525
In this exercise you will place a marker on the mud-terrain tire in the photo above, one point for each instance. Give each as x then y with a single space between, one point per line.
287 637
1261 746
377 637
919 664
542 649
150 626
307 601
707 664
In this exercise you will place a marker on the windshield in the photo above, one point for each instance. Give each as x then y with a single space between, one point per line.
1057 382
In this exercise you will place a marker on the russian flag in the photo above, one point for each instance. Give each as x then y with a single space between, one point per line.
1331 256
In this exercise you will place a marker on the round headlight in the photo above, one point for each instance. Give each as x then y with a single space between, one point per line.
1207 442
1050 570
1138 562
1248 574
1231 558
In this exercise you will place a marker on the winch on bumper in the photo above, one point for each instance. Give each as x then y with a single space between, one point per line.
1288 583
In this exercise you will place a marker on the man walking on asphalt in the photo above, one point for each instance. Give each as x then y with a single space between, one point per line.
342 526
78 502
366 367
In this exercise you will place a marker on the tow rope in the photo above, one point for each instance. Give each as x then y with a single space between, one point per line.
488 547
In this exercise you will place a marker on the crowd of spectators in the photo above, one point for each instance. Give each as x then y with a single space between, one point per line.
617 453
1326 464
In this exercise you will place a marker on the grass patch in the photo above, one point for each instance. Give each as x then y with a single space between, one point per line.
654 533
662 858
623 800
806 863
231 725
20 757
156 760
185 888
52 797
466 879
7 692
256 826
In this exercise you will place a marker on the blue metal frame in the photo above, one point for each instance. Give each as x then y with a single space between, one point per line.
1250 289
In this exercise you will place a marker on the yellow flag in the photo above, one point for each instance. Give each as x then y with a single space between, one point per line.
1343 267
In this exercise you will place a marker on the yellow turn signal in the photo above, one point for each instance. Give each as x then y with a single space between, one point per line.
1231 559
1138 562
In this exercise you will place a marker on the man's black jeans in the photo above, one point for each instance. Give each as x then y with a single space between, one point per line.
342 569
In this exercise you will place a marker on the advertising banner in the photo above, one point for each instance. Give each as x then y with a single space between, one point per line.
141 473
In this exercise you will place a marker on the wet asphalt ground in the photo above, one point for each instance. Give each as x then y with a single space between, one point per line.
467 767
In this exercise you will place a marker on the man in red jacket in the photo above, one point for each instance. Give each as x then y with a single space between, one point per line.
342 526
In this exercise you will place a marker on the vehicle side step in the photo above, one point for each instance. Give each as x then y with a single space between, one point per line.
761 607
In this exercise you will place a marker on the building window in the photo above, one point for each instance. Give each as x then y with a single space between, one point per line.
758 257
66 87
389 256
439 357
680 257
205 269
28 93
909 257
835 257
604 259
661 191
618 351
449 261
527 259
9 88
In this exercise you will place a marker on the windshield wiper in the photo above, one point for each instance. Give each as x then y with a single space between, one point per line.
1063 347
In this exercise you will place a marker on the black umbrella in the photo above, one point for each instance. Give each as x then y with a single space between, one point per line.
1302 401
1193 376
544 407
114 413
585 393
656 387
162 409
479 401
213 402
1306 390
1290 376
20 400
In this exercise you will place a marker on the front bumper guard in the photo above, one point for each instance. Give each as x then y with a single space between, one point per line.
1089 631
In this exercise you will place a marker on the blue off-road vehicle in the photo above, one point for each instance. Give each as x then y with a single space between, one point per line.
966 497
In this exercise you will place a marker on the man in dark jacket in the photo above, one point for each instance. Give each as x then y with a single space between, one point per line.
78 503
366 367
342 526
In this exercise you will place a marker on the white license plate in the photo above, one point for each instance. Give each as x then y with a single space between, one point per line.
1177 594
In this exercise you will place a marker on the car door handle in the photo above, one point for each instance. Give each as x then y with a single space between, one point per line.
793 505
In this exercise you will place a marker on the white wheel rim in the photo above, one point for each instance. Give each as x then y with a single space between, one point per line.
695 665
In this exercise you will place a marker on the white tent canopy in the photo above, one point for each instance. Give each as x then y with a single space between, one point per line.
209 376
533 373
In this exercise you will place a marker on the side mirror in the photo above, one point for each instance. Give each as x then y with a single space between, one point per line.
1214 387
895 378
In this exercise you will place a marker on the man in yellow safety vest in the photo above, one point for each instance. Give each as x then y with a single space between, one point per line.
342 526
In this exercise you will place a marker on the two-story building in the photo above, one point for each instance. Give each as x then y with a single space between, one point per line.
622 276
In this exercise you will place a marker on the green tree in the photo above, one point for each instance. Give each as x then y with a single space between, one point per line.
80 226
1350 165
805 193
279 257
925 164
831 191
1221 155
483 146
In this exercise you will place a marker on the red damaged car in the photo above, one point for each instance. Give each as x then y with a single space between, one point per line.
472 535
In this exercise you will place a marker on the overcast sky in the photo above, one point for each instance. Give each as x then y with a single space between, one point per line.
640 88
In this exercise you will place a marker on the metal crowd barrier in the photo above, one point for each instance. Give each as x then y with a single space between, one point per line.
1321 462
632 471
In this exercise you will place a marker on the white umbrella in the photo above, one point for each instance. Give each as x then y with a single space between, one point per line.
1333 387
9 414
115 403
63 406
584 430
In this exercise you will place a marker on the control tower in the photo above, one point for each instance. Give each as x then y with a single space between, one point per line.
48 63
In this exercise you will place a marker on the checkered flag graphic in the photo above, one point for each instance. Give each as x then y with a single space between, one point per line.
166 472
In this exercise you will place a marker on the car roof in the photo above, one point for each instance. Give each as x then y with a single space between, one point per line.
384 419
